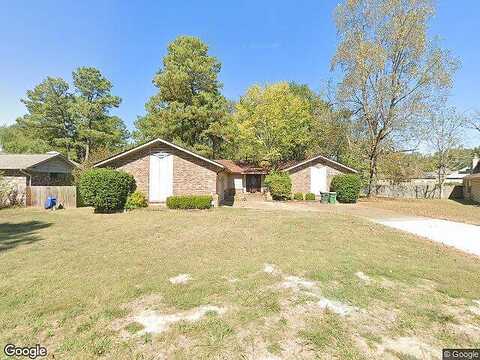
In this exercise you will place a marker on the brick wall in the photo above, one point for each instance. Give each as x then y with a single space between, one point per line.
191 175
301 180
301 175
136 164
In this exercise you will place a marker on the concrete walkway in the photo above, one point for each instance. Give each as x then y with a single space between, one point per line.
462 236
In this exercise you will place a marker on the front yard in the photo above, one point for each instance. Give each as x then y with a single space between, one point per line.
253 284
454 210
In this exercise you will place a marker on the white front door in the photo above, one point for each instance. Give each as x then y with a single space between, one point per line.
161 177
318 179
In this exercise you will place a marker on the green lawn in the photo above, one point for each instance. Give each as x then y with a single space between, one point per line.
455 210
74 282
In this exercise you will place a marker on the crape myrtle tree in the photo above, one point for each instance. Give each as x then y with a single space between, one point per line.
392 72
188 108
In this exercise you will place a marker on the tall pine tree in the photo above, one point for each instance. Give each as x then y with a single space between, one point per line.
188 108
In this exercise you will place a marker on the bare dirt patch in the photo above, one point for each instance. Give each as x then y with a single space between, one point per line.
155 322
408 346
365 278
180 279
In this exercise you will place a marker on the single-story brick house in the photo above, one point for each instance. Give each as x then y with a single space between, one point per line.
23 170
162 169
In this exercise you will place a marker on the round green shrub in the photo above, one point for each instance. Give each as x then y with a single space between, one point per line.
298 196
106 189
347 187
309 196
280 185
136 200
189 202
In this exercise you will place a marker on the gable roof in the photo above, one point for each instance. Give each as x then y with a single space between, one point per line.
152 142
26 161
245 167
288 166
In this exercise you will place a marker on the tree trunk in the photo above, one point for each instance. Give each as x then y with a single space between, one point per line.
372 171
441 179
87 150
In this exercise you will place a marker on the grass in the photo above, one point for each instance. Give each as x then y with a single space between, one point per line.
454 210
72 281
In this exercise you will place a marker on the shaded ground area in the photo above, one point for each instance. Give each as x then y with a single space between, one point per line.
234 283
15 234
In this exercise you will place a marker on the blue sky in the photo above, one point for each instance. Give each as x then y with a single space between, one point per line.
256 42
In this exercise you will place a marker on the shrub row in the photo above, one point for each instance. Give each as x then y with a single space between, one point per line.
106 189
190 202
298 196
308 196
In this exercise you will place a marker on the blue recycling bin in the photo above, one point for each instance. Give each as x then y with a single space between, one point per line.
50 202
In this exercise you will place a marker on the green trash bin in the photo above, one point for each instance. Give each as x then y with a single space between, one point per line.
324 197
332 197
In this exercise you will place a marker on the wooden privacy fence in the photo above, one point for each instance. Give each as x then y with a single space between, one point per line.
418 191
65 195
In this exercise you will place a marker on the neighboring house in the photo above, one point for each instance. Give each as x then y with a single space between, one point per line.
162 169
431 177
471 183
23 170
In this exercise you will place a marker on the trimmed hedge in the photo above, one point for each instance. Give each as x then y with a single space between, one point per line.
190 202
280 185
310 196
298 196
136 200
106 189
347 187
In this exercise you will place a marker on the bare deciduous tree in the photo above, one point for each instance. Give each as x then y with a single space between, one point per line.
474 121
392 72
445 129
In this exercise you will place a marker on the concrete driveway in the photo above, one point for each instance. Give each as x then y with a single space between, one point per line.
462 236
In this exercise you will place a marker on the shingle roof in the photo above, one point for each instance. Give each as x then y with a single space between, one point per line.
22 161
290 165
242 167
245 167
150 143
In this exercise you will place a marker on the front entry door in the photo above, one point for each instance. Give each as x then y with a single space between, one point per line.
161 177
318 180
253 183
